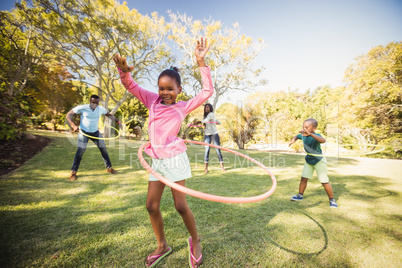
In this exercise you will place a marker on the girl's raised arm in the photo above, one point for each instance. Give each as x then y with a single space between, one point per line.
121 63
201 50
146 97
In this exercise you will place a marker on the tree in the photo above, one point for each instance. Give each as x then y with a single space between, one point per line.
241 122
20 51
372 100
281 114
85 34
54 93
134 114
13 117
230 58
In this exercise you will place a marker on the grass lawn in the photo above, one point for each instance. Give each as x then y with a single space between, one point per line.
100 220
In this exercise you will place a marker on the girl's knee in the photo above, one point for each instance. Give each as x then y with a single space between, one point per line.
182 208
152 207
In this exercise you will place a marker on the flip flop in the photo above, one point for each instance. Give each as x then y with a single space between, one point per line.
158 258
192 260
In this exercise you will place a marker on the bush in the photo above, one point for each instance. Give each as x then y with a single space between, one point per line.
13 117
36 121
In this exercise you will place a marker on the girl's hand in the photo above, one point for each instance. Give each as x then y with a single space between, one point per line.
121 63
201 49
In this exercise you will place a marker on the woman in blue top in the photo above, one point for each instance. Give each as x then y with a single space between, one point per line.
211 134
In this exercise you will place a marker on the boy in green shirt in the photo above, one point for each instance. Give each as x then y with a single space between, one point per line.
314 160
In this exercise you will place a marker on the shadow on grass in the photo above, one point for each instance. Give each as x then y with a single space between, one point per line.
45 219
242 227
303 253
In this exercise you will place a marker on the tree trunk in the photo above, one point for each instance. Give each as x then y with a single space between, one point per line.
215 100
107 129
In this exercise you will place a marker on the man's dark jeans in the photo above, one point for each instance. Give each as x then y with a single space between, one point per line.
82 145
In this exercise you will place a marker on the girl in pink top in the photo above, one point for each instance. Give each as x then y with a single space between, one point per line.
167 150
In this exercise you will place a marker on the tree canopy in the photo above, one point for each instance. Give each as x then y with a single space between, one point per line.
372 99
84 35
231 55
54 54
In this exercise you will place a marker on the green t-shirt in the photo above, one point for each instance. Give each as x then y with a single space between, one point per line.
311 146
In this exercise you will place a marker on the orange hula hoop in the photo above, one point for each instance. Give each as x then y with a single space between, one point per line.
205 196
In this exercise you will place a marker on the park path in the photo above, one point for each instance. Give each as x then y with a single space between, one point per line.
362 166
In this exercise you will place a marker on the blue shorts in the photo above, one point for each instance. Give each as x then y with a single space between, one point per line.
176 168
320 168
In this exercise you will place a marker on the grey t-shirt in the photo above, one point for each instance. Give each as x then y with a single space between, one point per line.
210 128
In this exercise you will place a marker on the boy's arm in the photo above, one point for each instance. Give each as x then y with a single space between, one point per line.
294 139
317 137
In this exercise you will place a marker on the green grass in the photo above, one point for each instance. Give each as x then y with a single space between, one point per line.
100 220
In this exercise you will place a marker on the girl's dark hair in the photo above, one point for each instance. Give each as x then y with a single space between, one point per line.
173 72
211 109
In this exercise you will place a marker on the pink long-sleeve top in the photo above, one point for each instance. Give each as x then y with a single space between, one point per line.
165 120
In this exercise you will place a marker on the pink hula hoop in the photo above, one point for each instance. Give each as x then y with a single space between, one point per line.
205 196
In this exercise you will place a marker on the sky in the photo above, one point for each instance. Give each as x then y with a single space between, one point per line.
308 43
